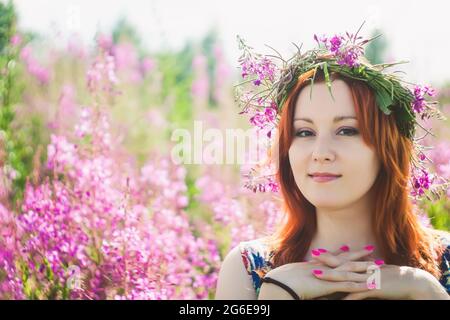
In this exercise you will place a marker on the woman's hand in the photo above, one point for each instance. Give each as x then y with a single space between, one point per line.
392 281
402 282
300 276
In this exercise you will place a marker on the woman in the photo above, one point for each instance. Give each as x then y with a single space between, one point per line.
343 168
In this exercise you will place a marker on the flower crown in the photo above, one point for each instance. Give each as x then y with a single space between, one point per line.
267 86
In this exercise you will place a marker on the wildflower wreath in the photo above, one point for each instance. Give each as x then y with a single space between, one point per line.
267 84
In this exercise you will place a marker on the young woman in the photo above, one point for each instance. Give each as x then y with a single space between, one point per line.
343 169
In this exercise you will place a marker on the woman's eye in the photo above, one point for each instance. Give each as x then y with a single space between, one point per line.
349 131
346 132
301 133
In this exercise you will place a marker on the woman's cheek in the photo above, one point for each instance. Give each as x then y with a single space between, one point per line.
298 157
365 158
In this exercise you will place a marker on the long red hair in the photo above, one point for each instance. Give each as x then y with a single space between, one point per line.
401 237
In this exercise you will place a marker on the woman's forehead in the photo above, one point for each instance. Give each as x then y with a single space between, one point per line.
320 104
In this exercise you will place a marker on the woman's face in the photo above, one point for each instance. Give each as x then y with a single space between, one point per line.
327 140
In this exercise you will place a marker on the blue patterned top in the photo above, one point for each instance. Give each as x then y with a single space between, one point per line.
445 265
257 259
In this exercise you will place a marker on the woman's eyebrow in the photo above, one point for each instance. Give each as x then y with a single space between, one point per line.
336 119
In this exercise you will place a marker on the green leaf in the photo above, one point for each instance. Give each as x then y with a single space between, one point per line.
384 100
327 78
283 100
312 82
392 90
403 114
48 270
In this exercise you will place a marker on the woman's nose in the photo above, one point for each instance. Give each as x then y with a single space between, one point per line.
323 151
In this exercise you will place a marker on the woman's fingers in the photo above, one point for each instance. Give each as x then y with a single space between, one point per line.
327 258
346 286
333 275
358 266
357 255
333 260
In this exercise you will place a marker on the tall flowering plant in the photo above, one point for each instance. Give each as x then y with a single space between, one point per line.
97 227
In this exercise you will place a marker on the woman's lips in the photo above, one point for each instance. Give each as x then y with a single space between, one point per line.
324 178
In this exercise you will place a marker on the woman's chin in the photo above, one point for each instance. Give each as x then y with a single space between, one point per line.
325 202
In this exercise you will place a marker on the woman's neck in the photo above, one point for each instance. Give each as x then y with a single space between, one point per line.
336 228
351 226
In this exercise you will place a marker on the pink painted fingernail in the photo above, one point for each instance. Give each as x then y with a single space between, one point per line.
379 262
369 247
315 252
322 250
345 248
317 272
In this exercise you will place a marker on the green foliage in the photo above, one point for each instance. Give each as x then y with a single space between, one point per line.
207 46
17 155
439 214
7 21
123 30
192 191
375 50
177 83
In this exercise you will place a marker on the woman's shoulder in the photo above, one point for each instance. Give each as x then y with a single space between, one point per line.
257 258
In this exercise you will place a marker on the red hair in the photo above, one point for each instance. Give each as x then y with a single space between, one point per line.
401 238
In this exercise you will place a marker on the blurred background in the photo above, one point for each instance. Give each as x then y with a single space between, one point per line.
91 204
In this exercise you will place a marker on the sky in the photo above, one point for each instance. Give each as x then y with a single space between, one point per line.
417 31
